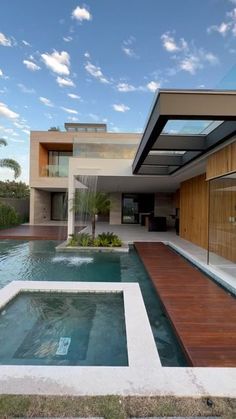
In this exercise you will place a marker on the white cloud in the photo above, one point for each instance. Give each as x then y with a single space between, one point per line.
127 47
197 60
65 82
125 87
87 55
72 118
67 38
187 56
26 131
96 72
68 110
170 44
153 86
94 117
120 107
81 13
7 113
228 26
45 101
25 89
58 62
73 96
27 44
4 41
223 28
31 66
1 73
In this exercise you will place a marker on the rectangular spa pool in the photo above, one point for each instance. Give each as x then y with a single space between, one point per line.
56 328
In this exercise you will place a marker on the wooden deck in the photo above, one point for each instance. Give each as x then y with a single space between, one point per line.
34 232
201 312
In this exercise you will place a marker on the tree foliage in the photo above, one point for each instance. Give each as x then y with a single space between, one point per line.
10 163
12 189
92 204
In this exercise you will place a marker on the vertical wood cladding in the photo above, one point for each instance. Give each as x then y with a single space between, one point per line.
222 162
194 210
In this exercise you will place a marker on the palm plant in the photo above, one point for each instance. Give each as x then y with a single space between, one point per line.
10 163
92 203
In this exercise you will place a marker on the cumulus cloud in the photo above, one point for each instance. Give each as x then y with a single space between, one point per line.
73 96
170 44
120 107
25 89
73 118
68 110
153 86
187 56
58 62
45 101
27 44
197 60
4 41
127 47
7 113
67 38
81 13
65 82
223 28
226 27
126 87
30 65
96 72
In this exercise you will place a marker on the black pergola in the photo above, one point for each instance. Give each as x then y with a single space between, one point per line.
163 151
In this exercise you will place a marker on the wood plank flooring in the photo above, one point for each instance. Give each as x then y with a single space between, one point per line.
202 313
34 232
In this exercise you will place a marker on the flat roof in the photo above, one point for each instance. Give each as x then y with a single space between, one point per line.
182 126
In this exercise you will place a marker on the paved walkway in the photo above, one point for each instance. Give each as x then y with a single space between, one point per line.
202 314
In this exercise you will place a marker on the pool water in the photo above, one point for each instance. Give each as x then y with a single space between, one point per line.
64 329
38 261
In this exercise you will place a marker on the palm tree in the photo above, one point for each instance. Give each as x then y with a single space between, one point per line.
92 203
10 163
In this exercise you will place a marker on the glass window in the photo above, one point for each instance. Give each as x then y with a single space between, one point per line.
58 163
188 127
222 223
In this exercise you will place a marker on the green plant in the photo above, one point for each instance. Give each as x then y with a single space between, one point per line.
81 239
10 163
94 202
109 240
12 189
8 216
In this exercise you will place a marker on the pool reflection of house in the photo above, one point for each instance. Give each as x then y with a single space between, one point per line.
182 168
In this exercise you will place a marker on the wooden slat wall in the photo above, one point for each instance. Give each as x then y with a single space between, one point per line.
222 232
194 210
43 158
222 162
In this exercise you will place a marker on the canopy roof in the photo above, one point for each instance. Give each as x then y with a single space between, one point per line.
183 125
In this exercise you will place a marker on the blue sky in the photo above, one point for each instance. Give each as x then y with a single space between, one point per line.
102 61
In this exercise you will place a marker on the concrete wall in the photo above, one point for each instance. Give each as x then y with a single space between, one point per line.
21 206
116 208
40 206
165 207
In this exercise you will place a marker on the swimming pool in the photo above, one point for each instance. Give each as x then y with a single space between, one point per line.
38 261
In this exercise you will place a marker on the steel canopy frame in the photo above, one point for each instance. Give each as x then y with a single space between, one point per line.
209 105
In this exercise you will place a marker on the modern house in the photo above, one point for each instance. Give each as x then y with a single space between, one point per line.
182 168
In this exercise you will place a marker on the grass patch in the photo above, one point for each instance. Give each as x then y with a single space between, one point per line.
113 407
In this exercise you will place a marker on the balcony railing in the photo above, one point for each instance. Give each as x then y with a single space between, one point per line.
53 170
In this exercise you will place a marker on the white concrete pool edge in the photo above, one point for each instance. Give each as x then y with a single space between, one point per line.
218 275
144 376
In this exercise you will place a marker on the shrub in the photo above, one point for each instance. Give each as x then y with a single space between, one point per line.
102 240
81 239
8 216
